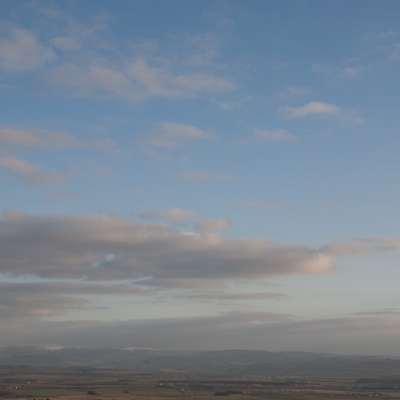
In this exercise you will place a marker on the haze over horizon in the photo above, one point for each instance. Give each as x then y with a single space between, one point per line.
200 174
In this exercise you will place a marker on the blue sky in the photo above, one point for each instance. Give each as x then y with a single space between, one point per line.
179 171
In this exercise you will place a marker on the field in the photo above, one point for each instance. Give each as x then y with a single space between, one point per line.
44 383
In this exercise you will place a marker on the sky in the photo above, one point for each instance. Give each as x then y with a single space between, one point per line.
215 174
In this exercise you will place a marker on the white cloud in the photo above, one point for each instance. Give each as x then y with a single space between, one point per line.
172 135
312 108
31 174
197 176
320 109
21 51
267 135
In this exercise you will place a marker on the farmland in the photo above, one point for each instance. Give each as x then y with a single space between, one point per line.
83 383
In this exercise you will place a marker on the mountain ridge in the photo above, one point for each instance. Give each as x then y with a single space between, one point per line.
234 362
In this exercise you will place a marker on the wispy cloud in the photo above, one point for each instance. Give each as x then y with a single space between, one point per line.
362 246
313 108
294 91
106 145
173 215
135 81
48 299
323 110
234 297
382 311
256 205
352 72
378 35
21 51
170 135
197 176
339 72
395 52
31 174
37 138
182 68
266 135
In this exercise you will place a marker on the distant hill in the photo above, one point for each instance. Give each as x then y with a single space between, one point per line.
232 362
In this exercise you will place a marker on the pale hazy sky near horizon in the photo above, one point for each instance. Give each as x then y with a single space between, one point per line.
191 174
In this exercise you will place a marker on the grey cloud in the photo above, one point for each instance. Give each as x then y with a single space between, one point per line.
48 299
222 295
182 283
212 225
71 288
362 246
383 312
27 303
105 247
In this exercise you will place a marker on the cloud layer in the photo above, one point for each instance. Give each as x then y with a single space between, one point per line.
105 247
